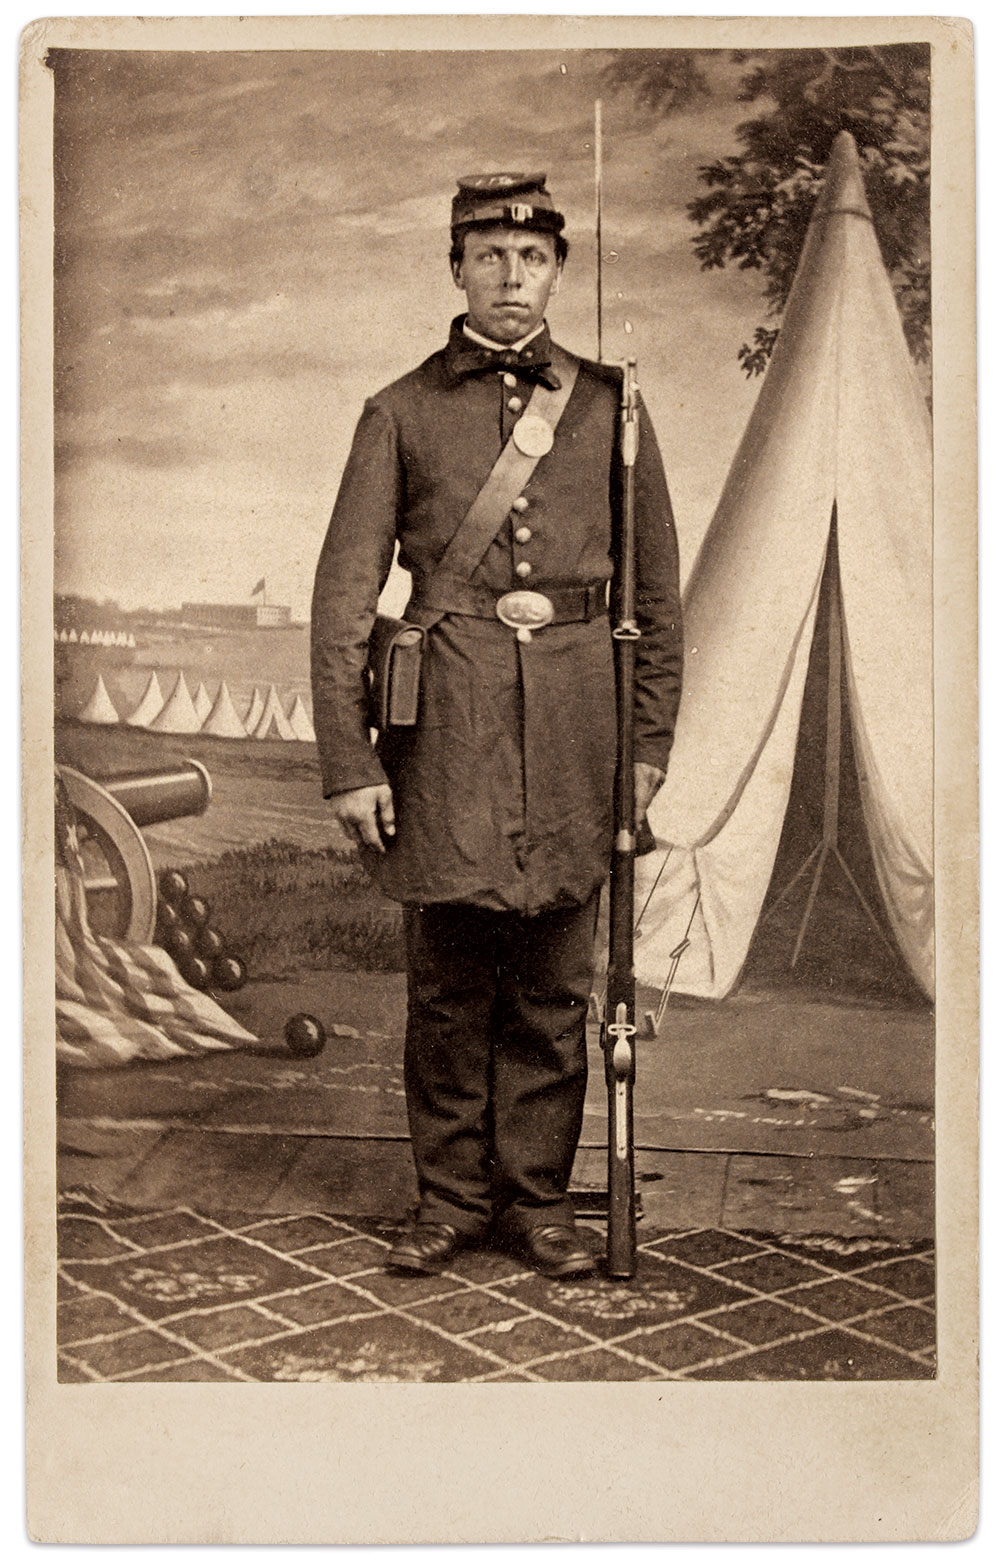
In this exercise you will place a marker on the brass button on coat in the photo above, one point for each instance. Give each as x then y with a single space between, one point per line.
523 535
515 404
510 381
520 504
523 568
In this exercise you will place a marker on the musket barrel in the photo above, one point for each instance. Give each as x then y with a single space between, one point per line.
619 1033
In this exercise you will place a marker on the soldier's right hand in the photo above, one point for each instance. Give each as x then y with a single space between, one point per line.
366 815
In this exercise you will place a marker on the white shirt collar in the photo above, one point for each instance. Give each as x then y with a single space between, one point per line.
502 347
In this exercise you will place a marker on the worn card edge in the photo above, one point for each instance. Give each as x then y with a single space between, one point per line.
418 1463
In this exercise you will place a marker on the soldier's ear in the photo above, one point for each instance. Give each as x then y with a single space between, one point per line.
456 272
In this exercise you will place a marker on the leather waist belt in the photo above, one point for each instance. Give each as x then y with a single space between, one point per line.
570 605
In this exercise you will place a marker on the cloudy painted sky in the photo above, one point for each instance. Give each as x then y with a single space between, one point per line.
248 244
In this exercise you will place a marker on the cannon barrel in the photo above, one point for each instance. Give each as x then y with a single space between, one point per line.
111 811
151 797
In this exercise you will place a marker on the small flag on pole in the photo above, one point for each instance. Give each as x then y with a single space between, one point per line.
261 584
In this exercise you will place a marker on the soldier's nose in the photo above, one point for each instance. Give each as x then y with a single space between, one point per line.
514 271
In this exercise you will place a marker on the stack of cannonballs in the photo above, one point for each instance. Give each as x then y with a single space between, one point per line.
198 948
201 956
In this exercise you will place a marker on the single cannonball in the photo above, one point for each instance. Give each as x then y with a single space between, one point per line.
208 942
195 911
173 886
179 942
167 918
194 970
228 973
305 1036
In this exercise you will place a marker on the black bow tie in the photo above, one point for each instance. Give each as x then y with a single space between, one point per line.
531 363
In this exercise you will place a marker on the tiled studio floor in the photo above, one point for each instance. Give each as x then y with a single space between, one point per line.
179 1295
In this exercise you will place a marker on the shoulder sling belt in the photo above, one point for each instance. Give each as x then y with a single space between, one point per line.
396 645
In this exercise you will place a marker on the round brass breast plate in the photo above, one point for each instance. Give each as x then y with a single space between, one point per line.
532 435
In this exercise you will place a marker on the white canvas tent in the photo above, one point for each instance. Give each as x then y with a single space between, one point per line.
254 712
99 708
300 722
273 723
178 714
222 721
840 433
149 706
202 702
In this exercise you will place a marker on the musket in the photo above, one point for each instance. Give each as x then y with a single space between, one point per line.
618 1030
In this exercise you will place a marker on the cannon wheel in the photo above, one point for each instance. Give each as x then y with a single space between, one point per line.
118 872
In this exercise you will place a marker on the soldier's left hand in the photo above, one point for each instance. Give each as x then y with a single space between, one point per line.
648 781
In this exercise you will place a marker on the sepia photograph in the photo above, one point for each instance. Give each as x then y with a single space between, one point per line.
494 610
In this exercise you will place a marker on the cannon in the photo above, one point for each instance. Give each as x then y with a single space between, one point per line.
119 878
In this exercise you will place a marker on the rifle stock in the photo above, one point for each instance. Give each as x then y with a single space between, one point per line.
618 1029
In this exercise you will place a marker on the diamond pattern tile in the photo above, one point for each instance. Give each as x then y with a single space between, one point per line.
829 1354
907 1327
357 1352
524 1337
319 1305
170 1281
84 1238
307 1297
838 1300
592 1364
223 1327
759 1323
770 1272
704 1248
297 1233
345 1258
157 1231
911 1278
87 1315
679 1346
126 1354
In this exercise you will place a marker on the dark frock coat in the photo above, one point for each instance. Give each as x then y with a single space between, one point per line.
503 791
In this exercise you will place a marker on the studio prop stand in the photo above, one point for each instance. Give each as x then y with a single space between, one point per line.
827 849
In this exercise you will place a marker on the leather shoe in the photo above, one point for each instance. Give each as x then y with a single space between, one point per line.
556 1251
426 1249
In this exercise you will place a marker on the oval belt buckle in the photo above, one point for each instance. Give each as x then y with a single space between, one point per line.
525 612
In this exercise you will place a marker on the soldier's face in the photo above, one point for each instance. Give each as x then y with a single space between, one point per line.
507 276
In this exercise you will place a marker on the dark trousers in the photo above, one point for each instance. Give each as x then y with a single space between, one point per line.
496 1060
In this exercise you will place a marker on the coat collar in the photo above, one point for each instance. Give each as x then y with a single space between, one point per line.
463 357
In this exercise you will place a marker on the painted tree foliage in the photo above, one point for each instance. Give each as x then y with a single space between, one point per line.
758 201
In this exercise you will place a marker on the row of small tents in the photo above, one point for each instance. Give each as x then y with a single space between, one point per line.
95 638
182 712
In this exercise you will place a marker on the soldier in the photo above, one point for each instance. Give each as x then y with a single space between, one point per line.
490 820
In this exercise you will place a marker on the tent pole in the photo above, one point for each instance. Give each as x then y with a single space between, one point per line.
823 850
852 882
835 654
793 882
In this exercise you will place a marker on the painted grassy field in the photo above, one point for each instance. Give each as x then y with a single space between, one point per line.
286 911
